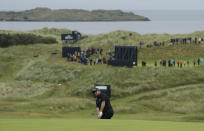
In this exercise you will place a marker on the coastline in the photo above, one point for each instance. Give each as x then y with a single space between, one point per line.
147 19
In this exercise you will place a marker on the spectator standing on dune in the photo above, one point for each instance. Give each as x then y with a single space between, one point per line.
198 61
181 64
94 61
194 62
178 63
188 63
91 61
155 63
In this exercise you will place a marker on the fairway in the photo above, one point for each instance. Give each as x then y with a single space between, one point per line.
93 125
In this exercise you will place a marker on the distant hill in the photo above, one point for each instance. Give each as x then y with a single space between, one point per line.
46 14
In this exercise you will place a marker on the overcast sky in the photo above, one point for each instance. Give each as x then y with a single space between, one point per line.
104 4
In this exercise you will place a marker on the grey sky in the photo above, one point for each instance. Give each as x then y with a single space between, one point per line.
103 4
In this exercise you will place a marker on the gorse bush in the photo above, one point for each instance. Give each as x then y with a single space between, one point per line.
7 40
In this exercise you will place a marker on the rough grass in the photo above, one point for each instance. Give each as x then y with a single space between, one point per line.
49 86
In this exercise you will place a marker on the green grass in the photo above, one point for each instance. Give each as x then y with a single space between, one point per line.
92 125
49 86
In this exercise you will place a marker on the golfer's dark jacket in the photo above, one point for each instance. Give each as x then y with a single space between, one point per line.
108 108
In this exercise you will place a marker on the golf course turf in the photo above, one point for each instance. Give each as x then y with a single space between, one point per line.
93 125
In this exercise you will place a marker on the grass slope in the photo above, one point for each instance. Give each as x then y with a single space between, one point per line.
49 86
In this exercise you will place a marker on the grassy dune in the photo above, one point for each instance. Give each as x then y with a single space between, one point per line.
49 86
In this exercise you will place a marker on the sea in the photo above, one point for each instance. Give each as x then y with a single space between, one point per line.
162 21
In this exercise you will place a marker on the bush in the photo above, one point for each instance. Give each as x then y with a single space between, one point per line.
7 40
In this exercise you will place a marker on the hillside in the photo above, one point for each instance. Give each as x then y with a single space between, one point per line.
49 86
46 14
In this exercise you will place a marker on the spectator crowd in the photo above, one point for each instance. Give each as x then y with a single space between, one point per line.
90 56
173 63
93 56
174 42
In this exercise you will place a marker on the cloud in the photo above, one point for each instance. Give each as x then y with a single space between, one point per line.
101 4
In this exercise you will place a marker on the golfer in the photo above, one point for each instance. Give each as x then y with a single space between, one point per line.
103 106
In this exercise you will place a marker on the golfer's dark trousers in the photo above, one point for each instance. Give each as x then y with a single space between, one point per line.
107 116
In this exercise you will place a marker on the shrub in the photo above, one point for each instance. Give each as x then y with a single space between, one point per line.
7 40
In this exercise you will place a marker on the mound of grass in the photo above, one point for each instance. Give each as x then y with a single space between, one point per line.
46 72
51 31
24 89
